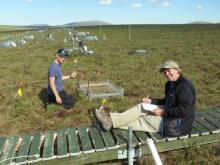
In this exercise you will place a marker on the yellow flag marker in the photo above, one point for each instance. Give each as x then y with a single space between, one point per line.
75 61
104 101
20 93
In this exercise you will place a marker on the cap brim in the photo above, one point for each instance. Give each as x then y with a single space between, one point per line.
162 69
65 56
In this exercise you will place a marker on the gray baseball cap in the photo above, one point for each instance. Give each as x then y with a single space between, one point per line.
168 65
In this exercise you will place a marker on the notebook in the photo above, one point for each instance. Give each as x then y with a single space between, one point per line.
149 107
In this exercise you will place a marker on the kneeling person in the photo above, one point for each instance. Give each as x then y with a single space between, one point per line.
56 94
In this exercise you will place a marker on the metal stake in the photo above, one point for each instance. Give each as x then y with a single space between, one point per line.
130 149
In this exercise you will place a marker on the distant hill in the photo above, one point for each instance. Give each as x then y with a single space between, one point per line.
201 22
85 23
39 26
43 26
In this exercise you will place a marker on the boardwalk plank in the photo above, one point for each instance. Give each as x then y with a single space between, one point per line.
201 120
9 153
2 144
122 137
85 140
48 151
22 155
142 136
200 128
108 139
74 148
97 138
62 143
34 152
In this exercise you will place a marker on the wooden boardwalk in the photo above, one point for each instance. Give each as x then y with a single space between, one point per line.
90 144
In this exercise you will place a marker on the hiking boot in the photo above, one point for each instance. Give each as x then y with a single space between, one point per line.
104 118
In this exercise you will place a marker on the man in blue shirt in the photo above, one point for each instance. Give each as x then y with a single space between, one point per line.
56 94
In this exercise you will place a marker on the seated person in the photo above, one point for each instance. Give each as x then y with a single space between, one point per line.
174 119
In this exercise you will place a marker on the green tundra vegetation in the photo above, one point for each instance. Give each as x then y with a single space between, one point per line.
195 47
10 28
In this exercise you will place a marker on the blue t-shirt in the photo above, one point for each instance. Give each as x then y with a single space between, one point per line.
55 71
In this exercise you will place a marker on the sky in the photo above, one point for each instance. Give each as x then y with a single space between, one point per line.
58 12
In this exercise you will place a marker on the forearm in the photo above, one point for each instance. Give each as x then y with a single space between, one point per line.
54 89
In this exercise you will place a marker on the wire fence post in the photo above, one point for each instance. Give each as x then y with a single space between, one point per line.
129 32
130 149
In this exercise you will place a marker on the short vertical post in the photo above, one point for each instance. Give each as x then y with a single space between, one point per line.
130 149
129 32
87 93
100 29
154 151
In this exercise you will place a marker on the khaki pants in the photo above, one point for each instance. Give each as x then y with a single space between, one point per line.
138 119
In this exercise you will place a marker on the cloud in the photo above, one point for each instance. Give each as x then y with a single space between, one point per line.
105 2
152 0
167 4
29 1
199 7
136 5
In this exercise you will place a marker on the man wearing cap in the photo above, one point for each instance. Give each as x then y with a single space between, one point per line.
175 115
56 94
